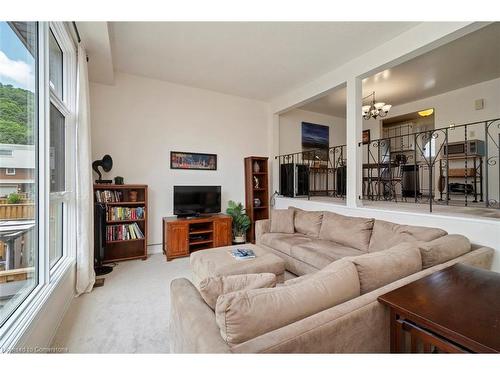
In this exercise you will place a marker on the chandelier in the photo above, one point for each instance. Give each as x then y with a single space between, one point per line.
375 109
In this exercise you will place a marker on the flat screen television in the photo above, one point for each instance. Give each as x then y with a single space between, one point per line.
196 200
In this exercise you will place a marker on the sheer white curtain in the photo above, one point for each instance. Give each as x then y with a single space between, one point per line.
85 275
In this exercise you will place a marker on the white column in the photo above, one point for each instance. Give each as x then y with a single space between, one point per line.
354 155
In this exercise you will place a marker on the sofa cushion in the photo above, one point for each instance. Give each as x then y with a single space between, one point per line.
386 234
443 249
320 253
296 280
246 314
346 230
212 287
282 221
283 242
307 222
383 267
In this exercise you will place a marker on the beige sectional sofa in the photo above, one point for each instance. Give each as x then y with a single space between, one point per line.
316 241
332 307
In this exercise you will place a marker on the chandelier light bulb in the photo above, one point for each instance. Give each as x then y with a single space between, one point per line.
386 108
375 109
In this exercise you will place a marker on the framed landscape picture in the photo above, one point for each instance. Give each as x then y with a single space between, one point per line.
193 160
315 137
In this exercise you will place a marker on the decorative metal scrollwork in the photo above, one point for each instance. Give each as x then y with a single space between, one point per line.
385 161
491 161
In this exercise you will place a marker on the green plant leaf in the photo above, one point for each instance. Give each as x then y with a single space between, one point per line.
241 221
14 198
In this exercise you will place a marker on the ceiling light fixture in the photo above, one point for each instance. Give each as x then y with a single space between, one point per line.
375 109
426 112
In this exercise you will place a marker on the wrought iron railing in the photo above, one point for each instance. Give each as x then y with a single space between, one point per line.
313 172
457 165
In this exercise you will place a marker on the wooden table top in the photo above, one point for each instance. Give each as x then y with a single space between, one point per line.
460 302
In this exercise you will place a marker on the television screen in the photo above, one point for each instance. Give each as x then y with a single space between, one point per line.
196 200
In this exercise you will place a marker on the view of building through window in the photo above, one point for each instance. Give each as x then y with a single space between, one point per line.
18 148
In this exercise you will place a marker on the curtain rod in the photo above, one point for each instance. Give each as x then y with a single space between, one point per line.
78 37
76 31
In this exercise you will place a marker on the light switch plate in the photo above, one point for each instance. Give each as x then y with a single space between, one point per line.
479 104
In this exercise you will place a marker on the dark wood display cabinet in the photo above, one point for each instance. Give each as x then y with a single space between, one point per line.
256 191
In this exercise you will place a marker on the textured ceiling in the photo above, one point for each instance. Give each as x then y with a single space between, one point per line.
468 60
259 60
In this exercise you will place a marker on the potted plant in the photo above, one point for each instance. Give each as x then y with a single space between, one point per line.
14 198
241 221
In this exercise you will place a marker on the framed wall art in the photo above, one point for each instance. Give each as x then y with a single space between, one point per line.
193 160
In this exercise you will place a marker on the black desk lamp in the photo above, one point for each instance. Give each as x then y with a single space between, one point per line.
106 163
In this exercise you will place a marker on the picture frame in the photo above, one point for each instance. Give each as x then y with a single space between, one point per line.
365 136
193 161
316 140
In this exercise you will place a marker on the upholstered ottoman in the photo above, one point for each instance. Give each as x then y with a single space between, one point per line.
219 262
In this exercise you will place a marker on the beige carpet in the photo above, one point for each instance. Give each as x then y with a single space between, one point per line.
129 314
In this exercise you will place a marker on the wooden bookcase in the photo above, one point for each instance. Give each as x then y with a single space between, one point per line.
181 236
118 250
256 212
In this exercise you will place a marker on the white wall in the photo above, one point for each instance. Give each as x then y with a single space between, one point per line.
290 130
479 231
138 121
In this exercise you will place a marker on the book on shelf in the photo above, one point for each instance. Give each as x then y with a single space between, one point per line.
241 254
124 213
109 196
123 232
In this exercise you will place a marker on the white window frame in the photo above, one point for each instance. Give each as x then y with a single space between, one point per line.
13 329
10 171
66 105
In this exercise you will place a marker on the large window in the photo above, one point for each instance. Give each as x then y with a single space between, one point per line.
19 140
37 132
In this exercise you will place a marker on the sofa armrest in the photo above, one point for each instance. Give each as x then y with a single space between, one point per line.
261 227
481 257
192 322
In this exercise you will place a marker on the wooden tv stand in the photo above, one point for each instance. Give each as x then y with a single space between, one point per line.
182 236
